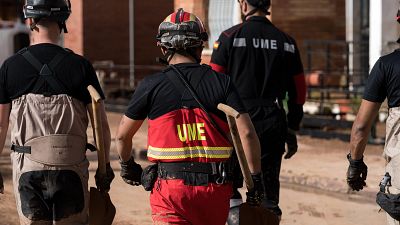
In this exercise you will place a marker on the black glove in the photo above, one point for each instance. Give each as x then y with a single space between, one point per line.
131 172
103 182
356 173
1 185
256 195
291 142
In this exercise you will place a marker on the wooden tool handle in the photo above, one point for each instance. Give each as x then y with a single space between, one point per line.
231 115
98 129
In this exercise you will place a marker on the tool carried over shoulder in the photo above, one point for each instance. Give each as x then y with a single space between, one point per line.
249 214
101 209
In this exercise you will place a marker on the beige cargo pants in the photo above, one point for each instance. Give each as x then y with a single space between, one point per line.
392 154
51 180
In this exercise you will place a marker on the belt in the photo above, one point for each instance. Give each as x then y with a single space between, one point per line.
27 149
267 102
195 173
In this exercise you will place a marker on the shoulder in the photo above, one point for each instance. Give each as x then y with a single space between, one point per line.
231 31
153 79
393 57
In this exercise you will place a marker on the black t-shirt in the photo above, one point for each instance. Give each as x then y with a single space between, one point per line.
264 63
18 77
156 95
384 80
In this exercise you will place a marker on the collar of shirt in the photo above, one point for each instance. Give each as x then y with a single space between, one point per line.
258 19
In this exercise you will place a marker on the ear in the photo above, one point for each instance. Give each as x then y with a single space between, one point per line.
245 6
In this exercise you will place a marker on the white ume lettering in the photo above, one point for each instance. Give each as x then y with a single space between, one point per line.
191 132
265 43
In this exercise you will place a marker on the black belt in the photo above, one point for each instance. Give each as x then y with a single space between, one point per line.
27 149
195 173
21 149
267 102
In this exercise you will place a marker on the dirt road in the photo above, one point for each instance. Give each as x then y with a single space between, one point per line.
313 191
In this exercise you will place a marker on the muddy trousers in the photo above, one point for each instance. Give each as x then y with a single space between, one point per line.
47 195
173 202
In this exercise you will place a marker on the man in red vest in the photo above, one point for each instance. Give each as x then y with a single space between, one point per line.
187 134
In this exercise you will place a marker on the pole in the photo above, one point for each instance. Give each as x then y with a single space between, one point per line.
131 44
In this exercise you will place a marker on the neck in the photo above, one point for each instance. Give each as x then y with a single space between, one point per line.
176 59
45 35
257 13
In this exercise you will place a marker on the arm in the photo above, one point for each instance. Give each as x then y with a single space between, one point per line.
131 172
126 130
361 128
250 142
4 121
297 88
220 56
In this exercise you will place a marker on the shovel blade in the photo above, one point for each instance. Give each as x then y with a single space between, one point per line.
256 215
101 209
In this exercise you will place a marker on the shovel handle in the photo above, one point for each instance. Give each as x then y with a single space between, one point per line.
231 115
98 129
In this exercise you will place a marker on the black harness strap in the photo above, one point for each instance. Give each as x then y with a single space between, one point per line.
21 149
46 71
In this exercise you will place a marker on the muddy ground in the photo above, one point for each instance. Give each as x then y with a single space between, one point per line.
314 191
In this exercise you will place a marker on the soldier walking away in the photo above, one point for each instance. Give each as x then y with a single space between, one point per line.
190 181
264 64
43 93
383 82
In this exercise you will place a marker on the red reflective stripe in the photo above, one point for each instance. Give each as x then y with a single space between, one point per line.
218 68
173 18
186 17
301 88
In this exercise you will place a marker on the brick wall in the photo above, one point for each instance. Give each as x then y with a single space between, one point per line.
312 20
74 38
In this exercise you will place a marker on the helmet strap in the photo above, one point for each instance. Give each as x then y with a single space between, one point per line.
63 27
34 23
166 58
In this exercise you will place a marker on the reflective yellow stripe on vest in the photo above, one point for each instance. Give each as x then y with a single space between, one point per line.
189 152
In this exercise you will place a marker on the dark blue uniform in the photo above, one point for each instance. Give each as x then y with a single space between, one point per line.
265 66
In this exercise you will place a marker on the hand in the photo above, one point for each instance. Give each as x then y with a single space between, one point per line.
1 185
103 182
356 173
256 195
291 142
131 172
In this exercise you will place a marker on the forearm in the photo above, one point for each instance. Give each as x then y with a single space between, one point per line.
3 136
294 115
126 130
250 143
4 121
362 127
107 140
359 139
124 148
252 150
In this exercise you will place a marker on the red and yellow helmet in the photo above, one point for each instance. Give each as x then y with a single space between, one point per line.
181 30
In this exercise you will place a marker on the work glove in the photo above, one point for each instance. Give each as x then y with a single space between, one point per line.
131 172
291 142
1 185
256 195
103 182
356 173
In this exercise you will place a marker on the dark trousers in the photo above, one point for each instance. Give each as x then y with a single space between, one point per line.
271 127
272 131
